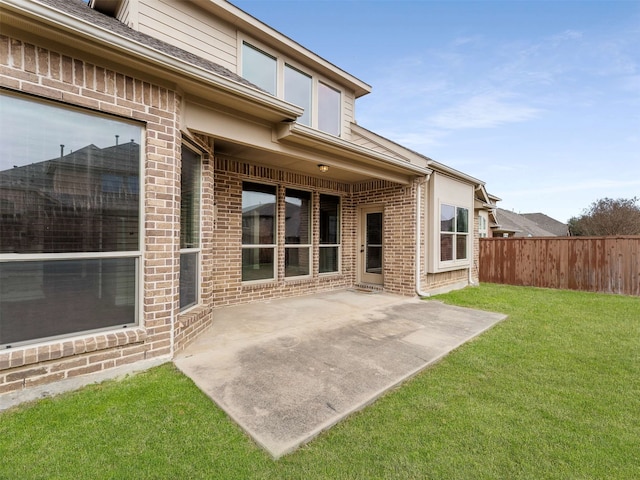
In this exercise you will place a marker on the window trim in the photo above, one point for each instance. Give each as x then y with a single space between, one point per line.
454 234
266 54
137 255
318 109
273 246
281 62
332 245
197 250
308 245
311 111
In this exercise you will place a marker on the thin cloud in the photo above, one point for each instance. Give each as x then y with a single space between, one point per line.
484 111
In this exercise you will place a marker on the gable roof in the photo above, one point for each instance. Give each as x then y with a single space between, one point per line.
520 225
549 224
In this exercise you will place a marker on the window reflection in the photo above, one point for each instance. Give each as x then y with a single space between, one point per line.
258 231
329 233
328 109
78 200
297 90
259 68
69 183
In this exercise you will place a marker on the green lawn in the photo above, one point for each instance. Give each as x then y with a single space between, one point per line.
551 392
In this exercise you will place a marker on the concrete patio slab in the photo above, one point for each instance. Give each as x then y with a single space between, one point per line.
285 370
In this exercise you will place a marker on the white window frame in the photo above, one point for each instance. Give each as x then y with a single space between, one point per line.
309 245
273 246
339 237
136 255
308 113
454 234
195 250
483 230
282 61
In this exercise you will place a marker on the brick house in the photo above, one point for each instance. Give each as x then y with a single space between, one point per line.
162 159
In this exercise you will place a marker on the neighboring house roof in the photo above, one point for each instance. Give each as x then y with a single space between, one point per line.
550 224
520 225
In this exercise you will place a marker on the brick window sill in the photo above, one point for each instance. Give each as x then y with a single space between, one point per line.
32 354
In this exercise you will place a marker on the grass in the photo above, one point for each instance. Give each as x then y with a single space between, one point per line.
551 392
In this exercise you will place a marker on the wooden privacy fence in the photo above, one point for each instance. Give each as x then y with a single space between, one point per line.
594 264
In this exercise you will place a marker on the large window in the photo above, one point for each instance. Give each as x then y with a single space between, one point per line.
69 220
258 231
454 233
329 255
297 252
189 228
328 109
297 90
321 102
259 68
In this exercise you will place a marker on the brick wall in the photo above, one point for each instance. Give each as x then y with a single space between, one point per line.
192 322
34 69
399 227
228 288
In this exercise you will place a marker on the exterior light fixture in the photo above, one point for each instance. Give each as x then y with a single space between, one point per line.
323 168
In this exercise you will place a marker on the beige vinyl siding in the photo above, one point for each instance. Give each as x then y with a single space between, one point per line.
124 14
348 112
185 25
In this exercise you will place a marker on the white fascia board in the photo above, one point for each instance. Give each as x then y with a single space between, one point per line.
440 167
52 16
304 135
387 144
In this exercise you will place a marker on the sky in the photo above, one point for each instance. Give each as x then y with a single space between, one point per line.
538 99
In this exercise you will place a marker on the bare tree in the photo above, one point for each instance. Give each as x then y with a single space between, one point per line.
608 216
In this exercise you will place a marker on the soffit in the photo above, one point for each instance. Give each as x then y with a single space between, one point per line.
290 146
297 161
305 137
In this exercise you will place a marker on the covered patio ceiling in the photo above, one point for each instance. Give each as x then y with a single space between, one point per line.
337 170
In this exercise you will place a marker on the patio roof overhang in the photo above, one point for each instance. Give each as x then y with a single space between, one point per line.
293 147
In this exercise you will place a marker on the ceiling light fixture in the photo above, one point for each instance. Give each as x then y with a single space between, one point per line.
323 168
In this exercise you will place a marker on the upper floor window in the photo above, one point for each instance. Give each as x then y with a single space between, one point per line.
259 68
454 232
328 109
69 220
297 90
321 102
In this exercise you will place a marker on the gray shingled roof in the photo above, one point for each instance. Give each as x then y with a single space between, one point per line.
81 10
521 225
549 224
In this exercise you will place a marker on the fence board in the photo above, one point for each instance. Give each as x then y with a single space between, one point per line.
595 264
